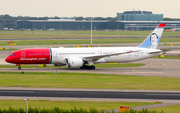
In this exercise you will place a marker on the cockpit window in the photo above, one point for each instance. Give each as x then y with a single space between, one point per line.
12 55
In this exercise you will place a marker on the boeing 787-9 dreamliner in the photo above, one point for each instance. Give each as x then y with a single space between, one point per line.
80 57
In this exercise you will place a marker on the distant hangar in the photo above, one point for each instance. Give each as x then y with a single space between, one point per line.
68 25
97 25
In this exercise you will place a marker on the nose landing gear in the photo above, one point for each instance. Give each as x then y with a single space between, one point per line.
19 68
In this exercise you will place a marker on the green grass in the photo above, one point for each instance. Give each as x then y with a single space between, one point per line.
168 57
171 109
8 49
84 41
87 80
97 65
68 42
74 34
70 104
30 66
65 34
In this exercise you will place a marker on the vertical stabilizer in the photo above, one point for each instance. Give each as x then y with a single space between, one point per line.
153 39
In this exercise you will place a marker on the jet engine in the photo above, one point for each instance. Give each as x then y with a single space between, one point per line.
74 62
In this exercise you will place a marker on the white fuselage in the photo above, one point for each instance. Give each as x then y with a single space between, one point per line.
60 54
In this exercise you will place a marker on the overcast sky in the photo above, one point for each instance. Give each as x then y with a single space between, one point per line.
87 8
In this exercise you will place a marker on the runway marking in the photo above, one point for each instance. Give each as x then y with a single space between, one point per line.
165 94
145 72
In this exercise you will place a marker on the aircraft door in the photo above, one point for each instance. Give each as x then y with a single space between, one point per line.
55 54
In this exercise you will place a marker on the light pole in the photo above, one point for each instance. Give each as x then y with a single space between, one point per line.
91 31
26 105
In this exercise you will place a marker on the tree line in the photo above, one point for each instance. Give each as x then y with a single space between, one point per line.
7 16
73 110
171 19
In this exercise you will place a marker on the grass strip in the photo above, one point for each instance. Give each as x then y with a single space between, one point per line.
96 65
70 104
87 80
30 66
171 109
68 42
8 49
168 57
84 41
59 34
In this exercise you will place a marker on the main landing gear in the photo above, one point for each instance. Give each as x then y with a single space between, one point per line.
88 67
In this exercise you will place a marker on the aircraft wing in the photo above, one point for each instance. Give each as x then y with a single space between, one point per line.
96 57
154 52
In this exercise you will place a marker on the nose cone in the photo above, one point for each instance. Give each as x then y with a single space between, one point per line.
8 60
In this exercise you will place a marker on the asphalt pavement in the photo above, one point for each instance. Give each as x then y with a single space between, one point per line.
167 97
92 94
153 67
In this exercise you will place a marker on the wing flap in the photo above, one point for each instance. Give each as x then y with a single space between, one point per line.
154 52
96 57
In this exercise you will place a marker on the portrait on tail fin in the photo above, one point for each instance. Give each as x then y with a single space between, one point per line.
154 41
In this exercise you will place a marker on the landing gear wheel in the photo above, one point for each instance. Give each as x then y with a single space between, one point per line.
19 68
88 67
93 67
81 67
84 67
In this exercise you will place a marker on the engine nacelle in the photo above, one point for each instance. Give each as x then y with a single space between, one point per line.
74 62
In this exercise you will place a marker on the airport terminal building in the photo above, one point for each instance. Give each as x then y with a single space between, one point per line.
139 16
97 25
68 25
128 20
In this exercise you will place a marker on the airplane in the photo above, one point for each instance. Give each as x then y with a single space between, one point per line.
81 57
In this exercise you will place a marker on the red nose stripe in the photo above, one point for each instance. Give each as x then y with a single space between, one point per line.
36 56
30 56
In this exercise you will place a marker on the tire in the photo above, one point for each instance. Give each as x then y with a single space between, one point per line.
93 67
88 67
81 67
85 67
19 68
